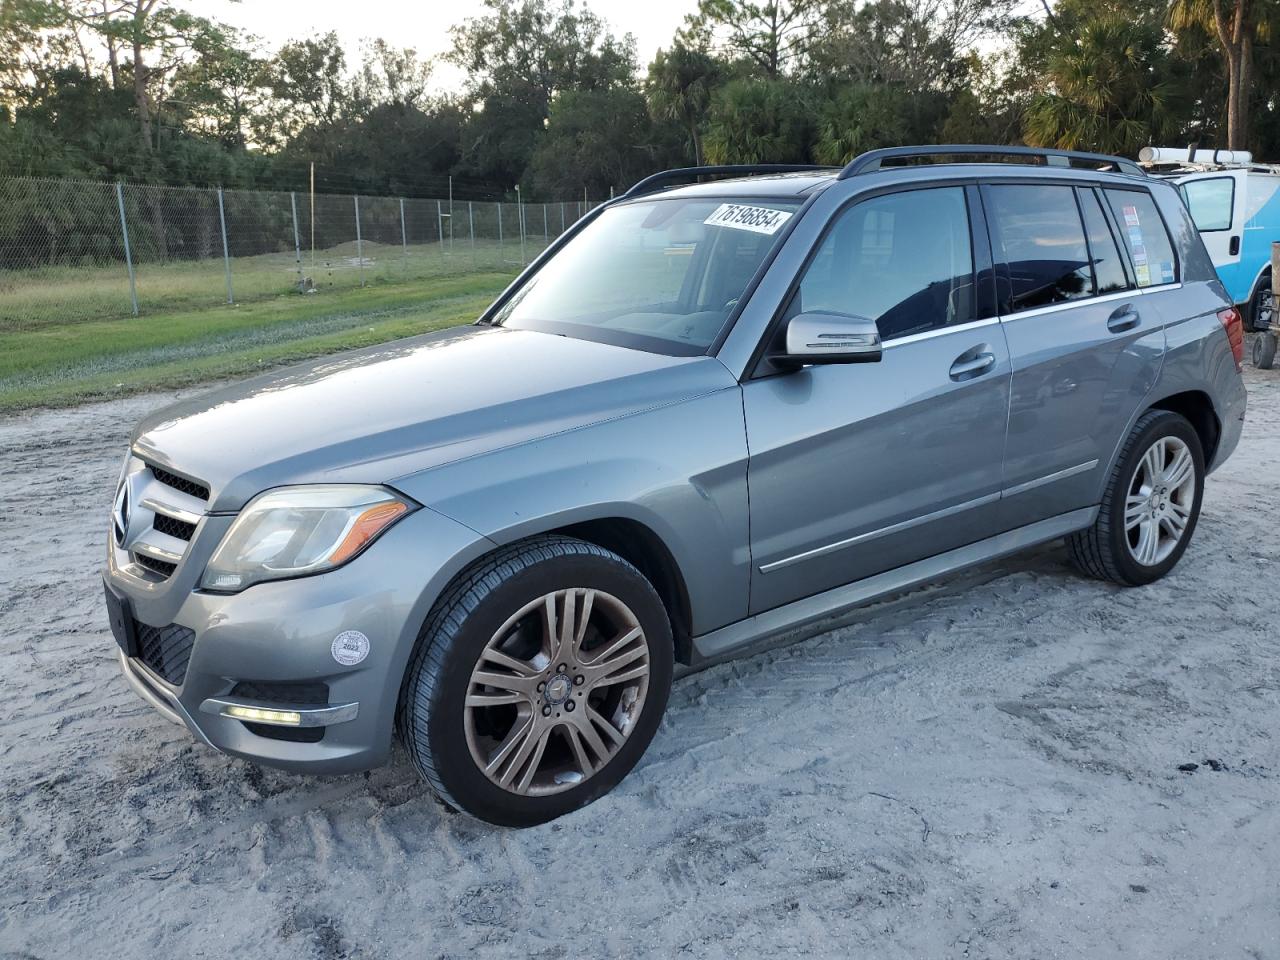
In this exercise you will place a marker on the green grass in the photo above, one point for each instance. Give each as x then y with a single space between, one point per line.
60 363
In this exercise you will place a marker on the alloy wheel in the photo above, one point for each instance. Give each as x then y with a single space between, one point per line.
1160 499
556 691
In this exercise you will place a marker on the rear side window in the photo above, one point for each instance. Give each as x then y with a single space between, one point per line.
1144 236
1210 202
1108 268
903 260
1037 232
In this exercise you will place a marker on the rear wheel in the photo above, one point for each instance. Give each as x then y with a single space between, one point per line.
1150 507
1264 350
539 681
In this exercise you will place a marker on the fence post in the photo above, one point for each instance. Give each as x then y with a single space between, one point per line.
128 254
404 238
562 216
546 234
226 255
471 225
440 226
359 241
502 255
297 241
520 217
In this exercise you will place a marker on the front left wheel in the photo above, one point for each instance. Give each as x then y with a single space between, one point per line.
539 680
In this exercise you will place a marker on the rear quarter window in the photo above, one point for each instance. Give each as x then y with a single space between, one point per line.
1144 236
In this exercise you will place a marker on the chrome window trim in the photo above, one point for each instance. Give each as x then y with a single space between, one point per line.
1085 301
939 331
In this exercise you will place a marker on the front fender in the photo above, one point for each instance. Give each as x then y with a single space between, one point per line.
680 470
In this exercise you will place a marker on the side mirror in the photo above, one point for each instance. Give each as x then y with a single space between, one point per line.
830 338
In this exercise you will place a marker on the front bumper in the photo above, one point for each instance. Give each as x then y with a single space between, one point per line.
281 634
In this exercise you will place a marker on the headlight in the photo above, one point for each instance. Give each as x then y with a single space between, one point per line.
296 531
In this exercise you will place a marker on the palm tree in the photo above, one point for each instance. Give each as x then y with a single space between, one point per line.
1236 24
679 89
1111 88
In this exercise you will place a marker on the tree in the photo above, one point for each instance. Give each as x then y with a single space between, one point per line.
1236 25
758 121
595 139
860 118
308 87
679 89
1111 86
770 36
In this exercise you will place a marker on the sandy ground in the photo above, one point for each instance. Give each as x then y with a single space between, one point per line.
985 768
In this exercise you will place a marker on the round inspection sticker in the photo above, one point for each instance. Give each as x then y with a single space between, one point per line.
350 647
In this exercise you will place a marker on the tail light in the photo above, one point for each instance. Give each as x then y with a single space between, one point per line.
1233 323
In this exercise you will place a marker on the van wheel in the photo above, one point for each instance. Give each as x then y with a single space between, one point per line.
1150 507
1262 304
538 681
1264 351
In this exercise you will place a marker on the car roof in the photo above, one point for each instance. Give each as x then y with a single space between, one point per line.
801 184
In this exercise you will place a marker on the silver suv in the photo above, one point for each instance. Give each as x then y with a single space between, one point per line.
711 413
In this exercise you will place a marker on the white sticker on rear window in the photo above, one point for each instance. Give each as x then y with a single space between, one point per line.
741 217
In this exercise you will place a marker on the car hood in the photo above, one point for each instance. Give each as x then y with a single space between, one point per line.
374 415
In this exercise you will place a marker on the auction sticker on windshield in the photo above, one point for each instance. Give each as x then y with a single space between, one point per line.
742 217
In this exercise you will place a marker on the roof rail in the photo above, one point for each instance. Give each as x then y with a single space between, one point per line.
656 181
873 159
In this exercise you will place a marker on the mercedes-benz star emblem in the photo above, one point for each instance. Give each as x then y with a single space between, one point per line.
120 514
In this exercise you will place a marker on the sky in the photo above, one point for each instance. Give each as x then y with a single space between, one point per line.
423 25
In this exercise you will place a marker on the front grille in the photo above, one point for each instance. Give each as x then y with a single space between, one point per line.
190 487
166 650
173 526
162 567
162 511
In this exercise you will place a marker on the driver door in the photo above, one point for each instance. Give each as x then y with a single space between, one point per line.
859 468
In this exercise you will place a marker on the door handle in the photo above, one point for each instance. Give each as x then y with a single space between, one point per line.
1125 318
967 367
1233 246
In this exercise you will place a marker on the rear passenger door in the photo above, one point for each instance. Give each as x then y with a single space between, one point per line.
859 468
1085 343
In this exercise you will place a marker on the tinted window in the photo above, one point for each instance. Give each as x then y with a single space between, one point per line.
1037 232
903 260
1108 270
1210 202
1145 237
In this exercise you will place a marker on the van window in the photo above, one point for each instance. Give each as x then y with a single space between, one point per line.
1108 269
1036 231
903 260
1145 236
1210 202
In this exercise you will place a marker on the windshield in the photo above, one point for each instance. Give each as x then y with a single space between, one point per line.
659 275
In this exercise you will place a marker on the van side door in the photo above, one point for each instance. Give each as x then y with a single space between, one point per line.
1086 342
1218 206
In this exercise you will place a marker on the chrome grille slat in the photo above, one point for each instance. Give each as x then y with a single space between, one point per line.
166 513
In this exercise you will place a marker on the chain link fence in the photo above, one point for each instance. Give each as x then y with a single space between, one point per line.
78 250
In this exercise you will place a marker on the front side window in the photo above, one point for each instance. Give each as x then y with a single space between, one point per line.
1210 202
661 275
1145 236
1036 231
903 260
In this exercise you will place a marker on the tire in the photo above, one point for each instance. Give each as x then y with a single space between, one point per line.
493 623
1261 309
1107 550
1264 351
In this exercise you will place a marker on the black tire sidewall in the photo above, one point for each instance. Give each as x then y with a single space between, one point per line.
465 783
1264 351
1167 424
